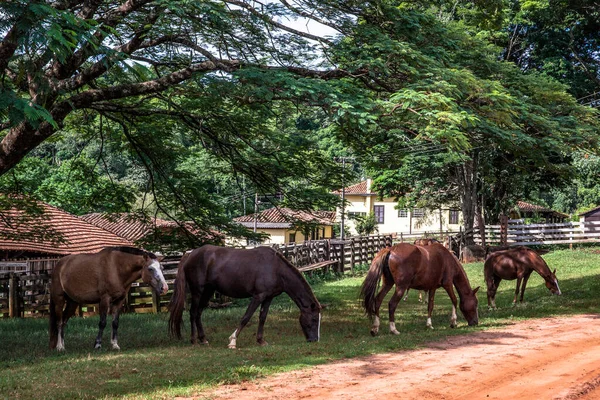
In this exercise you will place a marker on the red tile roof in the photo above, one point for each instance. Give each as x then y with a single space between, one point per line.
133 228
74 235
359 188
126 225
528 207
284 217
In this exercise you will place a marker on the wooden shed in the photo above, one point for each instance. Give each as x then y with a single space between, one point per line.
591 215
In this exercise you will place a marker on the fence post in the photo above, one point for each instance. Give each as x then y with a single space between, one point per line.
13 298
503 230
155 302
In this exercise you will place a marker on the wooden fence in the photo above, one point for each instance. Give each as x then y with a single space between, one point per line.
519 234
28 294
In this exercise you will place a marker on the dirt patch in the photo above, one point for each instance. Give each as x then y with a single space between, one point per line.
552 358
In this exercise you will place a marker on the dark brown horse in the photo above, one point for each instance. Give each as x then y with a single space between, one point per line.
104 278
260 273
417 267
516 263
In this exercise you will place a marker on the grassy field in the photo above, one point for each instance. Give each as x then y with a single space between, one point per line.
151 365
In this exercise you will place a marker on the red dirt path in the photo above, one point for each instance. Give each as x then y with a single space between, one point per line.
552 358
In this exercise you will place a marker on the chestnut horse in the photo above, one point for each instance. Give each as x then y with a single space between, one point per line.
417 267
516 263
261 274
105 278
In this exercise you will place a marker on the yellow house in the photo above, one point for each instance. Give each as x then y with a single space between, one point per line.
284 225
360 201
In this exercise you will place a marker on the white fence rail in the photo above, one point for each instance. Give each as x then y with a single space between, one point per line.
539 234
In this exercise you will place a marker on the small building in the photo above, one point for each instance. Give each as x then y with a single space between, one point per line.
524 210
284 225
362 201
592 215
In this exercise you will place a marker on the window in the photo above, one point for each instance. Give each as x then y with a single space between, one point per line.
292 237
379 212
403 213
354 214
418 212
454 216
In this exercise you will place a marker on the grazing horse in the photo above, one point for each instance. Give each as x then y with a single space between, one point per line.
418 267
105 278
261 273
516 263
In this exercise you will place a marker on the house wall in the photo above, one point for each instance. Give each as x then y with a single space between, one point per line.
282 236
392 222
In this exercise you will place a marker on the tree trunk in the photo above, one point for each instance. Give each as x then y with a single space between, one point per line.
467 183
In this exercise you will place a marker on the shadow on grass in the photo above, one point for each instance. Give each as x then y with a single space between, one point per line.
153 365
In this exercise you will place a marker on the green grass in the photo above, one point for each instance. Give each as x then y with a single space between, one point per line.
151 365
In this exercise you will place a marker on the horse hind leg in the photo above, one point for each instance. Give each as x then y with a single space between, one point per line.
378 300
392 308
492 285
517 290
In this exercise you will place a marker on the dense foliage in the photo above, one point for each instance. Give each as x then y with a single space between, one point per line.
187 109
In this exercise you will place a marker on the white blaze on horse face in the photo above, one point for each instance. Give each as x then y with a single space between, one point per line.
156 269
559 292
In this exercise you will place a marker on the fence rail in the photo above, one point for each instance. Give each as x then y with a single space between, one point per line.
27 294
541 234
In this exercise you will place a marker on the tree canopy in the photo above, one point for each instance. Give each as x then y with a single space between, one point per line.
188 107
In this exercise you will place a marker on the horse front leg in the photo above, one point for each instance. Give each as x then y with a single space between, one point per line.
392 308
256 301
525 279
519 279
452 296
431 297
103 309
116 311
264 310
378 300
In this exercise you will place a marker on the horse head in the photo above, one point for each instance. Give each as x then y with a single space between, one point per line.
310 321
152 273
468 306
552 284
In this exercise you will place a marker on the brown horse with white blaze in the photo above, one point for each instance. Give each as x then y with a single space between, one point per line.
417 267
104 278
516 263
260 273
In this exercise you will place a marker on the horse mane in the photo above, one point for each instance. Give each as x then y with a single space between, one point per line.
132 250
295 271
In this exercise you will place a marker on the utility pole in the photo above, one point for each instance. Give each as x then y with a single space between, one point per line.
342 223
255 210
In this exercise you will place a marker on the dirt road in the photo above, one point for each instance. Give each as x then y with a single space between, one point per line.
553 358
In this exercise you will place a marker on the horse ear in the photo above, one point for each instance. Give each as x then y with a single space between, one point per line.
476 289
554 273
159 258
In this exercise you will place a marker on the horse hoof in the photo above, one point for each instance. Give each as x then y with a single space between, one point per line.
452 326
116 347
231 346
394 332
98 346
204 342
374 332
262 342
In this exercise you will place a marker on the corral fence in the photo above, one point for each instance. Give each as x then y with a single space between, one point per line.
520 234
25 284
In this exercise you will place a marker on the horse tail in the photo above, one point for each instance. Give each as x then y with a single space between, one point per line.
379 266
178 300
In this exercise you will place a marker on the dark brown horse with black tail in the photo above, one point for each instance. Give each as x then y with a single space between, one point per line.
105 278
417 267
516 263
260 273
